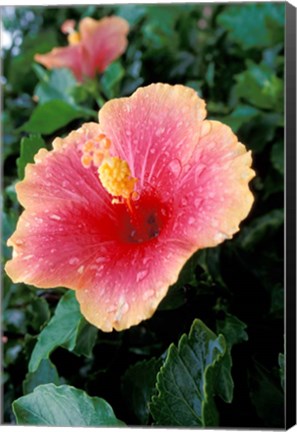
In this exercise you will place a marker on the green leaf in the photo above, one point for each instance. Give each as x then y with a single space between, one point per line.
51 116
185 384
234 332
281 362
257 25
62 330
138 386
86 339
259 86
63 406
159 28
267 396
57 84
261 228
29 148
111 79
277 156
38 311
9 221
241 115
266 125
46 373
20 72
131 12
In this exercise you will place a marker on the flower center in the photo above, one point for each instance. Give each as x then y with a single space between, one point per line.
142 217
114 172
147 220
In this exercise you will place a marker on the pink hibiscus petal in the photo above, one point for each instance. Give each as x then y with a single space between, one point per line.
70 57
103 41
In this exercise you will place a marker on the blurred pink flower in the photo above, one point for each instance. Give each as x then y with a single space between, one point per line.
91 49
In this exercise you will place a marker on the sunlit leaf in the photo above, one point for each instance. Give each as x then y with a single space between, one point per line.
50 405
260 86
29 147
62 330
254 25
51 116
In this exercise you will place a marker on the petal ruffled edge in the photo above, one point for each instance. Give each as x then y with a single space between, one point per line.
214 197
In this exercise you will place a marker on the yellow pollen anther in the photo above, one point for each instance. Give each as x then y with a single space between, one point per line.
97 157
86 160
115 176
89 146
105 143
73 38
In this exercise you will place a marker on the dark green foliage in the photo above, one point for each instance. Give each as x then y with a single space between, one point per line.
186 381
233 56
138 386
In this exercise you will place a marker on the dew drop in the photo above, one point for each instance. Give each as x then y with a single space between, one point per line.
55 217
175 167
152 150
141 275
73 261
146 260
184 201
81 269
197 202
160 131
148 294
100 260
220 236
191 220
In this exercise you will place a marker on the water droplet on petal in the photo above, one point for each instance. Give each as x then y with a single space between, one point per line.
148 294
191 220
141 275
175 167
55 217
146 260
160 131
220 236
73 261
197 202
81 269
100 259
184 201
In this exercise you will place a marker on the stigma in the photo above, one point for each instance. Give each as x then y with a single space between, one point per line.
114 172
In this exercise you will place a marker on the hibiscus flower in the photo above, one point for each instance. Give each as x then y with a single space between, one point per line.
91 49
116 209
